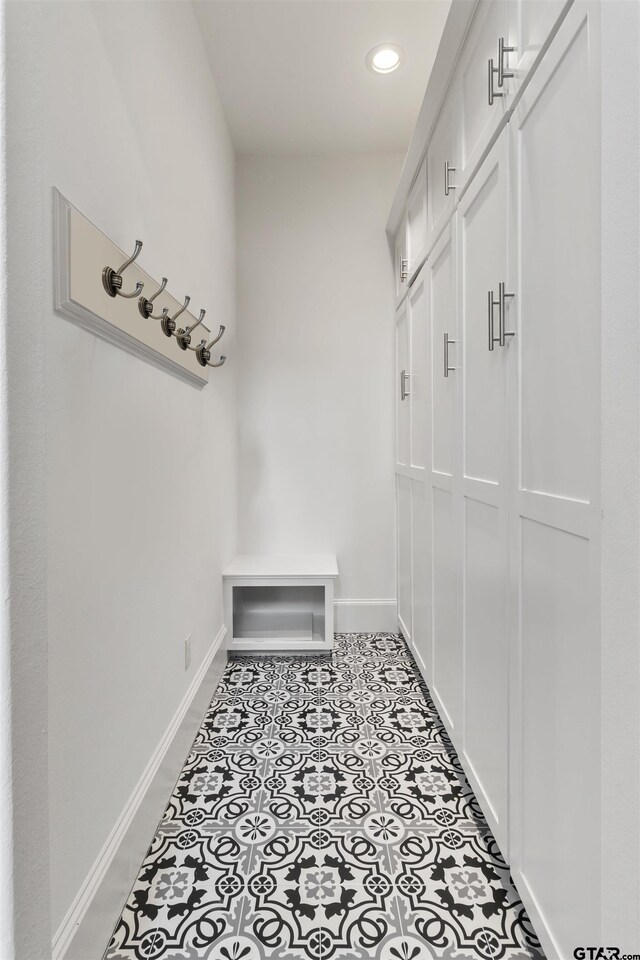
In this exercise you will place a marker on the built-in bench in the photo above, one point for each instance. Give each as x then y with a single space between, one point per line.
281 603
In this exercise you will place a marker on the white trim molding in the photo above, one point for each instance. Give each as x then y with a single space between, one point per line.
90 920
365 616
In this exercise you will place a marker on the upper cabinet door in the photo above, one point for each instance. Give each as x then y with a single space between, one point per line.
401 263
533 22
418 310
484 95
416 232
443 168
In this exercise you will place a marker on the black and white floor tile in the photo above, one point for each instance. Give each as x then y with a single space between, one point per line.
322 814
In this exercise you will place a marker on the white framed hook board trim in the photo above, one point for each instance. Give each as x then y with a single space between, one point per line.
81 251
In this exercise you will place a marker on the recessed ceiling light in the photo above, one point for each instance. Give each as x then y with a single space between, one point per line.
384 59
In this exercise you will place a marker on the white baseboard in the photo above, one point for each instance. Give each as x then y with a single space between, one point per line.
365 616
85 931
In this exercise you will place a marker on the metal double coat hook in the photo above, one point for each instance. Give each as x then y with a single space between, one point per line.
112 279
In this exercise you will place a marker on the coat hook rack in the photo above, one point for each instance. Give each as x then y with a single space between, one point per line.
183 337
203 351
146 306
168 324
112 279
105 300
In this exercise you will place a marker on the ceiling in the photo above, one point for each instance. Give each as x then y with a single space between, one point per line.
292 78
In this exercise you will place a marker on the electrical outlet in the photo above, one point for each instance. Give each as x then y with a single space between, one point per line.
187 652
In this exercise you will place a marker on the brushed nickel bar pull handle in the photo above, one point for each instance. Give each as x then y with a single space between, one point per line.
492 94
502 309
447 369
502 52
447 185
491 303
404 393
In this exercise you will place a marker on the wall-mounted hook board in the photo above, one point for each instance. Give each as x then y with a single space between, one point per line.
81 251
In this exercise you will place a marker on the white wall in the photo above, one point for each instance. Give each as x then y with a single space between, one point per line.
24 820
141 472
316 351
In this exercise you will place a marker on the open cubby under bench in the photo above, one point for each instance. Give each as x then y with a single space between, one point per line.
280 603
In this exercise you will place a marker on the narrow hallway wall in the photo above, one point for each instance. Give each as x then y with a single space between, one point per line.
141 467
315 397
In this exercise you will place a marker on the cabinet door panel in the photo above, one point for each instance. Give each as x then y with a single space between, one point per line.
442 268
486 661
479 118
555 476
403 496
403 369
482 236
419 384
447 645
400 261
443 148
559 281
417 222
535 21
421 546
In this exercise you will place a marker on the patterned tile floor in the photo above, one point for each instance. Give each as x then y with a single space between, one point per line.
323 814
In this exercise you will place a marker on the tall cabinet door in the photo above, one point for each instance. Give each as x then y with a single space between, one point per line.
420 461
403 469
403 379
555 509
484 306
446 669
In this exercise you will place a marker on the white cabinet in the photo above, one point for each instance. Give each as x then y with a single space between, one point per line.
418 313
421 574
416 222
405 580
402 393
446 668
401 262
485 310
502 559
484 97
276 603
412 448
442 168
555 479
532 24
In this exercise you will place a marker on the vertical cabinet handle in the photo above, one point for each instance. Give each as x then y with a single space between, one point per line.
503 51
447 369
404 393
502 310
491 303
492 94
447 183
404 269
500 303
